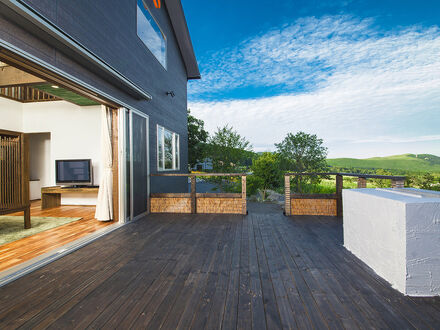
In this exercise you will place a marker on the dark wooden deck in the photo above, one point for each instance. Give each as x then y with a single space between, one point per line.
258 271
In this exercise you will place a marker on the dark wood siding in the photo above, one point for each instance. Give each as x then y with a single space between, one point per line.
108 29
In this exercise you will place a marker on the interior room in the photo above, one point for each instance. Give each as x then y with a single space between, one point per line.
62 130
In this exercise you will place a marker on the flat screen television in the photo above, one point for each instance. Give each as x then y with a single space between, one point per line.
74 172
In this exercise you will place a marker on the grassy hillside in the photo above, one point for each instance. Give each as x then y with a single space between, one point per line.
407 162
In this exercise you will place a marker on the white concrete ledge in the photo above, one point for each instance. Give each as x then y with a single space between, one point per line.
397 233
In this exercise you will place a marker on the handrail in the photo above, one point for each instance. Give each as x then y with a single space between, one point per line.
198 174
358 175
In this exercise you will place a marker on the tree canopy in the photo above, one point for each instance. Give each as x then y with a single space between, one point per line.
228 150
266 170
302 152
197 137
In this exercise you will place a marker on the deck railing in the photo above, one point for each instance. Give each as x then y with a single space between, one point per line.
193 202
327 204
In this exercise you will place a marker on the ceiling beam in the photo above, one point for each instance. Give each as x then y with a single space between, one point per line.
10 76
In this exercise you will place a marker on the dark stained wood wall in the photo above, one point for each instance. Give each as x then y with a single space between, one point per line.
108 29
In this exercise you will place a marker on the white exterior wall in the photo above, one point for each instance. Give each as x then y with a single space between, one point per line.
374 231
423 248
75 133
397 233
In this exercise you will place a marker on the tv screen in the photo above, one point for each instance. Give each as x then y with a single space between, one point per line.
74 171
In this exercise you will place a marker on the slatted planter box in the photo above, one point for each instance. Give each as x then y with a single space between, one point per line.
170 203
316 204
219 203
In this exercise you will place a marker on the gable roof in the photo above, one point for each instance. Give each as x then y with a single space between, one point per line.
178 21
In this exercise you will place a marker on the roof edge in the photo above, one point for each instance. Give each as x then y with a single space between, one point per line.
180 27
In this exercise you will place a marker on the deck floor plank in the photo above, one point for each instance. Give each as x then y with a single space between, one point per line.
258 271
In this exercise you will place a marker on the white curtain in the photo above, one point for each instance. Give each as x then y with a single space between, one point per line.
104 206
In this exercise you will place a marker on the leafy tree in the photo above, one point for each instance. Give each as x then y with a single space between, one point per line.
266 169
302 152
227 149
197 137
382 183
426 181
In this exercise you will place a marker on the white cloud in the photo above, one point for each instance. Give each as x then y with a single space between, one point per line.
360 84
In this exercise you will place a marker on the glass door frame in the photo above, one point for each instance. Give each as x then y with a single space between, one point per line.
126 116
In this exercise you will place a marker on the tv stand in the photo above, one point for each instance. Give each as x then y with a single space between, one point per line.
51 196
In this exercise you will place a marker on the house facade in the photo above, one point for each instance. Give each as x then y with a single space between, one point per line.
134 57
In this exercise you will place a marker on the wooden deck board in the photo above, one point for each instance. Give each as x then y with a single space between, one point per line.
258 271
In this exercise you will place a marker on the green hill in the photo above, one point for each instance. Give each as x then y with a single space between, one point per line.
406 162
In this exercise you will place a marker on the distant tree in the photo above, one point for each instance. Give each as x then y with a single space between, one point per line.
266 169
382 183
227 149
427 180
302 152
197 137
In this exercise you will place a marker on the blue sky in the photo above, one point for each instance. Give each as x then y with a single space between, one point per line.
362 75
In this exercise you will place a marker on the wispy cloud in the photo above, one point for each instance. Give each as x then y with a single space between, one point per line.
338 77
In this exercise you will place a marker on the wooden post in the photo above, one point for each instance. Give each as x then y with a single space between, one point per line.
397 183
362 183
193 195
287 201
243 195
25 180
339 187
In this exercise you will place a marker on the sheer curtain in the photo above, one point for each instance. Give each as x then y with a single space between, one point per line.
104 206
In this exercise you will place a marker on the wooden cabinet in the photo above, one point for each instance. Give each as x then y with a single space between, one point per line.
51 196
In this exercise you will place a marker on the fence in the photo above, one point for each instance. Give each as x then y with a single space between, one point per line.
327 204
193 202
14 175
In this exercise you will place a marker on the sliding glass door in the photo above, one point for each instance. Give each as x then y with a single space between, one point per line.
139 164
134 166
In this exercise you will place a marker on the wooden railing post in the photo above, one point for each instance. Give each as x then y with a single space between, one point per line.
287 201
339 187
362 183
193 195
397 183
243 195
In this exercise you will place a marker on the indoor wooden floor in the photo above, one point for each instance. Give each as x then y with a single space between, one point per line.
261 271
14 253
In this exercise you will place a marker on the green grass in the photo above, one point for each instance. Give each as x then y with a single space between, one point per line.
406 162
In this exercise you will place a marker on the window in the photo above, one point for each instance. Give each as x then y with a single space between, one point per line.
150 34
168 150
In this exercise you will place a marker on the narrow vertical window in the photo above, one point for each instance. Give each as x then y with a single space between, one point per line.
168 150
160 153
150 33
176 151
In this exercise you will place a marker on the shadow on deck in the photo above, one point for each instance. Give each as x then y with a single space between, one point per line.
258 271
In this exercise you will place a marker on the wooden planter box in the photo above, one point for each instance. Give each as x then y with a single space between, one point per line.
314 204
170 203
